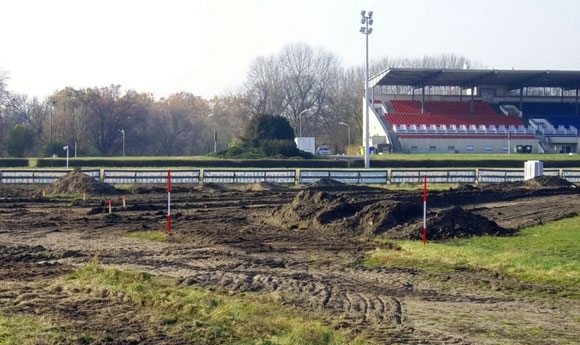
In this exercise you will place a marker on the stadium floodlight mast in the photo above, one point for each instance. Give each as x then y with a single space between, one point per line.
366 20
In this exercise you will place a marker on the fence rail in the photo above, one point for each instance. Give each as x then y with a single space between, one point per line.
149 176
35 176
285 176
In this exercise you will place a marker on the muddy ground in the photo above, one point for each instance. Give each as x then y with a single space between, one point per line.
302 246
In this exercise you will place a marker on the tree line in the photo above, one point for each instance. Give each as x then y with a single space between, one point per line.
306 85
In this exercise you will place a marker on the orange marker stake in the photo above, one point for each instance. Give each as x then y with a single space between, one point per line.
110 206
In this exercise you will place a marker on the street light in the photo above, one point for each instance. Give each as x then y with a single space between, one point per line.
366 20
348 127
50 128
300 120
66 149
123 132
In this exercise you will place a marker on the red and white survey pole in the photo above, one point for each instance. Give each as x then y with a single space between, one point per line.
424 209
168 201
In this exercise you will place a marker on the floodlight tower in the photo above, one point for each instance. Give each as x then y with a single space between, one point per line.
366 20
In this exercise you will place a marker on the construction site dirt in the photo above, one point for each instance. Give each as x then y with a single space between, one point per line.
304 244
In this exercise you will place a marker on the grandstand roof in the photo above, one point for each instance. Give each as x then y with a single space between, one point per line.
467 78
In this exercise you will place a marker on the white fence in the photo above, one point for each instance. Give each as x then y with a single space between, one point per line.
150 176
286 176
345 176
29 176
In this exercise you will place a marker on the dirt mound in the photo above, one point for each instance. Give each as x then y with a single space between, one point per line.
148 190
550 182
327 182
210 187
256 187
459 223
338 214
449 224
465 188
76 182
308 203
380 218
535 184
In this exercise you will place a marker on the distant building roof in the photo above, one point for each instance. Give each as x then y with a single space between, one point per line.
467 78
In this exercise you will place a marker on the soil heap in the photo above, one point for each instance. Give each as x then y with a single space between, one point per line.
264 186
78 182
549 182
340 214
327 182
450 223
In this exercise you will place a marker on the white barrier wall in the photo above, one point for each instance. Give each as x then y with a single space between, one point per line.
295 176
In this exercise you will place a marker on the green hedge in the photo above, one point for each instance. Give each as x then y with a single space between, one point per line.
188 163
280 163
14 162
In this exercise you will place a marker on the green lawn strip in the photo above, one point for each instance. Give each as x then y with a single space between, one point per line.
218 318
548 253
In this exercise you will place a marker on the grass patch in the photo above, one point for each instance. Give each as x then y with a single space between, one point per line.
155 236
411 187
206 317
78 196
28 330
548 253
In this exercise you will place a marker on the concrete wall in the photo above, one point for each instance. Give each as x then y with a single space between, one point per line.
443 145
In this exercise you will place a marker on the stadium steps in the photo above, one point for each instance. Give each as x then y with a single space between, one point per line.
546 148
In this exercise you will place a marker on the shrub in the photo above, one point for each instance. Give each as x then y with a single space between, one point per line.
278 147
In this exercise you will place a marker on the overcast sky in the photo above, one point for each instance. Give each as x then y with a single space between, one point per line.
205 46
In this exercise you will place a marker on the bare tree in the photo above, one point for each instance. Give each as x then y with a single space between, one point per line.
177 123
68 121
4 97
264 87
109 111
297 83
229 117
30 114
345 106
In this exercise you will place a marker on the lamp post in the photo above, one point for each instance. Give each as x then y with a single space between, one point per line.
300 122
348 128
50 128
66 149
366 20
123 133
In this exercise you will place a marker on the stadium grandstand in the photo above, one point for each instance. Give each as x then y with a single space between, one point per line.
474 111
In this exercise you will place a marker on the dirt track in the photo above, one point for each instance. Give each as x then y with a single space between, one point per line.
303 247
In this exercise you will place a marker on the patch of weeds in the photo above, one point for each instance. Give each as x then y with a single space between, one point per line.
86 339
17 330
218 318
155 236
